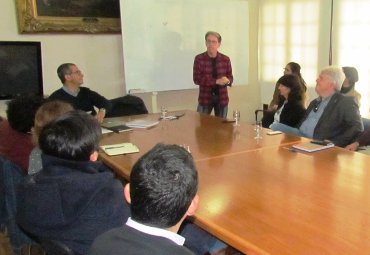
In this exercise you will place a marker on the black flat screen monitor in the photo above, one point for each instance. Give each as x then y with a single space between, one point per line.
20 69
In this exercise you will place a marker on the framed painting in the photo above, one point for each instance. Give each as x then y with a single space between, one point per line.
86 16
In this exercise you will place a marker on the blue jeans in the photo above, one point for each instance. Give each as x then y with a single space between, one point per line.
219 111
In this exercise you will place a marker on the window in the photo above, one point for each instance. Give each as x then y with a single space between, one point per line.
299 31
289 32
352 39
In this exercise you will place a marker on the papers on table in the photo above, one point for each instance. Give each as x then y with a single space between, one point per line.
118 126
168 118
119 148
105 131
142 123
311 147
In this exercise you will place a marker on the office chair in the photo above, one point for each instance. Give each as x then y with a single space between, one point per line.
54 247
266 116
127 105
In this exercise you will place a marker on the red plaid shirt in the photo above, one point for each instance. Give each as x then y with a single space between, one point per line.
202 76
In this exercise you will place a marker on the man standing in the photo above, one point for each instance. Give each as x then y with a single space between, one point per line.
213 73
81 98
332 116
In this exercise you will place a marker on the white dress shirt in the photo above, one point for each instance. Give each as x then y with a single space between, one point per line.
156 231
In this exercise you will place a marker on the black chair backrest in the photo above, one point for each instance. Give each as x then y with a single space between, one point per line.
267 117
54 247
127 105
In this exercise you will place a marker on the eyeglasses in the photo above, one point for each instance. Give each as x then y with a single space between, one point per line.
77 72
317 105
211 41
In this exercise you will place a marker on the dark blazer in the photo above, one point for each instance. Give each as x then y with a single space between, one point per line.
340 122
127 240
291 115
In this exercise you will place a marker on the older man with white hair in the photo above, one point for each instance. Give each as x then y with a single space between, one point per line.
331 116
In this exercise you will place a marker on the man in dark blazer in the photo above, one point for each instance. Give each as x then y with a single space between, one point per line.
332 116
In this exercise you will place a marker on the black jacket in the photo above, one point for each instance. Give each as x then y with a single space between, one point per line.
71 202
291 115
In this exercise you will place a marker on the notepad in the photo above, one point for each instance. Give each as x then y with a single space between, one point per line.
142 123
119 148
311 147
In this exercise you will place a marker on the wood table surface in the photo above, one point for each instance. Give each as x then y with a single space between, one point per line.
275 201
259 196
206 136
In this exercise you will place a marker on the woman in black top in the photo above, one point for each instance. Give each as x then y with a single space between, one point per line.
290 107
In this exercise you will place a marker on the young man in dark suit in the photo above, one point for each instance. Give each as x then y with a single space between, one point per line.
162 193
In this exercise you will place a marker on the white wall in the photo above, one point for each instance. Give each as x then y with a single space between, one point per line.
100 59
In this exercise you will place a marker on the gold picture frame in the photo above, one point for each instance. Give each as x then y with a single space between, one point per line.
71 16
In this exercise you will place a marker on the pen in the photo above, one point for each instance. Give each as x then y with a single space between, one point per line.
114 147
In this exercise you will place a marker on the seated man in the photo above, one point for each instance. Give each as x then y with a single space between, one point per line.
15 132
81 98
162 193
46 113
74 198
332 116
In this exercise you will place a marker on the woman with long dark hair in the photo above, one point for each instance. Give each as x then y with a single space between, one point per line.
290 108
290 68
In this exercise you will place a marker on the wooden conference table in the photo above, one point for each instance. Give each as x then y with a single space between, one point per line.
259 196
206 136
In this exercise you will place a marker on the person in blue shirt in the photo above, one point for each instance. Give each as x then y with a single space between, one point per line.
331 116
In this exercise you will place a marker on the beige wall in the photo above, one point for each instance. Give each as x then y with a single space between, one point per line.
100 59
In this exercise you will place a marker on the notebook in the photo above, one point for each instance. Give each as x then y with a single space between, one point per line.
142 123
311 147
119 148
